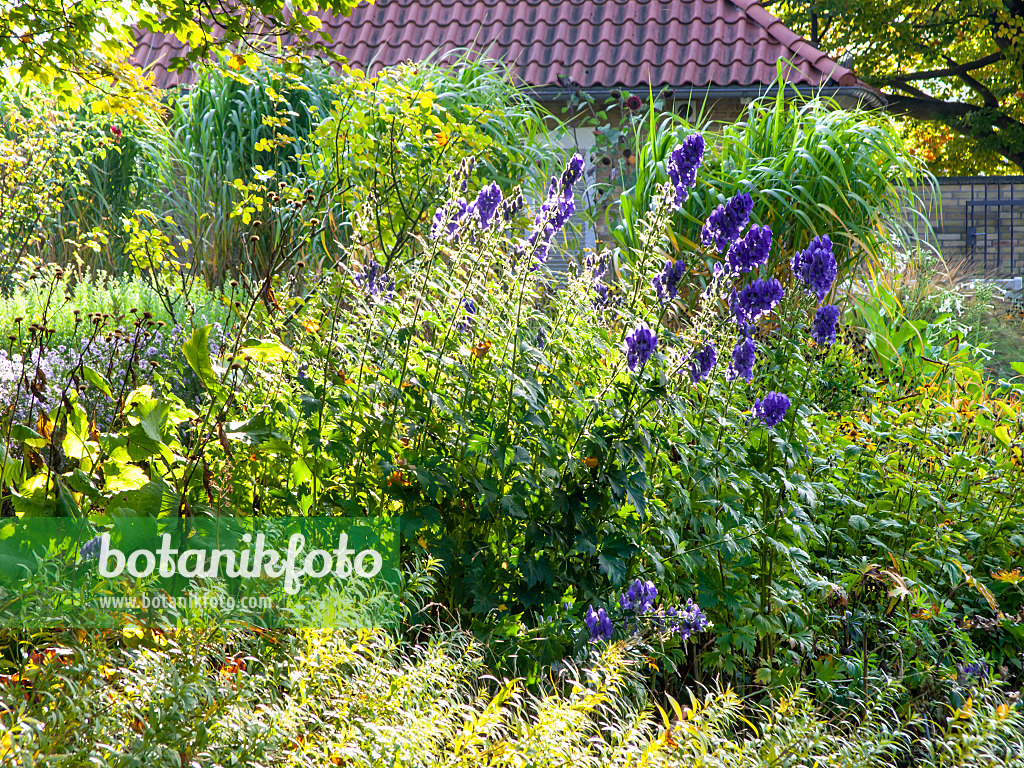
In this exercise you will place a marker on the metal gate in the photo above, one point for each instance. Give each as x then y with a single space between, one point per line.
995 227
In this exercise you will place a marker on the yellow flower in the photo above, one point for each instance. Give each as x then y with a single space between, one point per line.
311 326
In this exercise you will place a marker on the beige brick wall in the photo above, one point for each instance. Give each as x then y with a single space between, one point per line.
974 224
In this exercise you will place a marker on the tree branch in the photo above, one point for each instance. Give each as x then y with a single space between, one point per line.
952 71
957 116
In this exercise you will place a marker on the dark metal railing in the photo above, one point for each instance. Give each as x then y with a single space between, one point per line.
994 237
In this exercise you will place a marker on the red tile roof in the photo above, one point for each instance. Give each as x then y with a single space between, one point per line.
598 43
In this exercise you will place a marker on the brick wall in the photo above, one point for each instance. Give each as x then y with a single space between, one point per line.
979 224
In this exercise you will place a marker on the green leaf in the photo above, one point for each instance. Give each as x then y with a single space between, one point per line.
96 379
197 354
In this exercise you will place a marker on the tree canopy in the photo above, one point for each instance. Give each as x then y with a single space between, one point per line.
63 43
957 63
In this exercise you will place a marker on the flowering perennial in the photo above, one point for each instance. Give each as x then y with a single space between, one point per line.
742 364
486 204
823 329
639 597
750 252
703 362
600 626
466 322
556 210
726 222
772 409
683 163
447 220
686 620
756 300
377 284
666 282
816 266
640 345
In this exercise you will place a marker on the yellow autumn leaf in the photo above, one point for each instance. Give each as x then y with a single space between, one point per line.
1003 434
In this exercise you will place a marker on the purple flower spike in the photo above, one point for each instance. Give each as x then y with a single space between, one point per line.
557 208
600 626
756 300
750 252
742 365
640 597
447 220
487 203
640 345
823 329
816 266
772 409
703 362
377 284
666 282
726 222
683 163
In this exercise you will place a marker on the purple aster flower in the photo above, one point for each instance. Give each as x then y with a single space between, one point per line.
600 626
823 329
726 222
486 204
640 345
447 220
666 282
816 266
683 162
639 598
742 364
377 284
703 362
750 252
756 300
772 409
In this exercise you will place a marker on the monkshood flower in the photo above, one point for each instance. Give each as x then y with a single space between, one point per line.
556 209
742 364
726 222
750 252
687 620
447 220
823 329
511 206
640 345
542 339
486 204
978 669
640 597
600 626
816 266
683 162
375 282
703 362
772 409
466 322
756 300
91 549
666 282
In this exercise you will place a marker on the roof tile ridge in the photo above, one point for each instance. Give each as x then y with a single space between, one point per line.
814 56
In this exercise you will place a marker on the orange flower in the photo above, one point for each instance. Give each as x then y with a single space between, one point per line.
591 461
311 326
480 350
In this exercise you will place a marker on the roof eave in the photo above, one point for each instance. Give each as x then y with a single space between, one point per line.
862 93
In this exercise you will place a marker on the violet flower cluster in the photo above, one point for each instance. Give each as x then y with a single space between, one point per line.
470 309
666 282
772 409
556 209
741 366
726 222
816 266
703 361
749 253
755 300
640 345
637 608
683 162
823 329
375 282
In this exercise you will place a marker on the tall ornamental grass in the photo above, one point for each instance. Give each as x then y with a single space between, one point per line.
812 168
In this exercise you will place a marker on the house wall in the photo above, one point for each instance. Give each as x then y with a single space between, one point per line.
977 222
